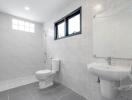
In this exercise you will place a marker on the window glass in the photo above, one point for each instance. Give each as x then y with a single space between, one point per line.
69 25
74 24
61 30
15 27
23 25
31 29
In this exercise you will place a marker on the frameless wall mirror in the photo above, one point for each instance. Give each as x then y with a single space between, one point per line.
112 31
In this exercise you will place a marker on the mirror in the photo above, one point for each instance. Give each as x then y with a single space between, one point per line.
112 32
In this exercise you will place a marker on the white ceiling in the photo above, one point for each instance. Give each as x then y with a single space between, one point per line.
40 10
111 6
43 10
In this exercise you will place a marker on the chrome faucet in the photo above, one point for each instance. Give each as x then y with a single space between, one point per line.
108 59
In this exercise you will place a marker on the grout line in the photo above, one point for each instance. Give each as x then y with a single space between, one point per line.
8 95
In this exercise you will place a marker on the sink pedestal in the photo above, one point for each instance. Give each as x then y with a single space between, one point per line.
109 89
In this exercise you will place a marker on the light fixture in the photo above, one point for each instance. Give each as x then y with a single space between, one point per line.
26 8
98 7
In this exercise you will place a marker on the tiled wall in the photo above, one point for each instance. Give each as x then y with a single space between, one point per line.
75 53
21 53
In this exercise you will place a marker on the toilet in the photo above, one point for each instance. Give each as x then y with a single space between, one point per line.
46 77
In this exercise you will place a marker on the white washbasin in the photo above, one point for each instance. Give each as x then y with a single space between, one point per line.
109 72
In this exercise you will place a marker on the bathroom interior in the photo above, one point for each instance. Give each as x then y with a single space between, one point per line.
65 50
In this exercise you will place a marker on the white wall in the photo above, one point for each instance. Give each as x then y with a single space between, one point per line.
109 33
77 51
21 53
74 52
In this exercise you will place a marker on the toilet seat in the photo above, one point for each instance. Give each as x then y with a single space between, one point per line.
42 74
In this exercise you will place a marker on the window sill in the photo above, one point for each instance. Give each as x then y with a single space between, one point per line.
70 35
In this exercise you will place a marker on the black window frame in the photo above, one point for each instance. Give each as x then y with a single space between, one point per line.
65 19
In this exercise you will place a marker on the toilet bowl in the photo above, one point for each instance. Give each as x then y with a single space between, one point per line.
46 77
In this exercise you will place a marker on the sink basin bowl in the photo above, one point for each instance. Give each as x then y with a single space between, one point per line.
109 72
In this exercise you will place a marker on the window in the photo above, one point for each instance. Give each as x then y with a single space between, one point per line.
23 26
61 29
74 24
70 25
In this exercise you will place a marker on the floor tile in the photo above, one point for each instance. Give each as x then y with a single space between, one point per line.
72 96
20 93
32 92
4 95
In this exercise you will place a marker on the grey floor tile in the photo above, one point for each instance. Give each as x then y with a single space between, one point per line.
4 95
32 92
72 96
20 93
52 93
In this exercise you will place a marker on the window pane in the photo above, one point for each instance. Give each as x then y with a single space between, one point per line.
31 25
15 27
21 28
26 24
14 21
26 29
61 30
31 29
21 23
74 24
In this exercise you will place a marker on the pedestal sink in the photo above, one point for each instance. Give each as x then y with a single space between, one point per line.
110 77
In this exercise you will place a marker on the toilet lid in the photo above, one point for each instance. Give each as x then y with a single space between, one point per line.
43 71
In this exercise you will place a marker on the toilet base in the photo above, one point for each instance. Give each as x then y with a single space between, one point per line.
45 84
